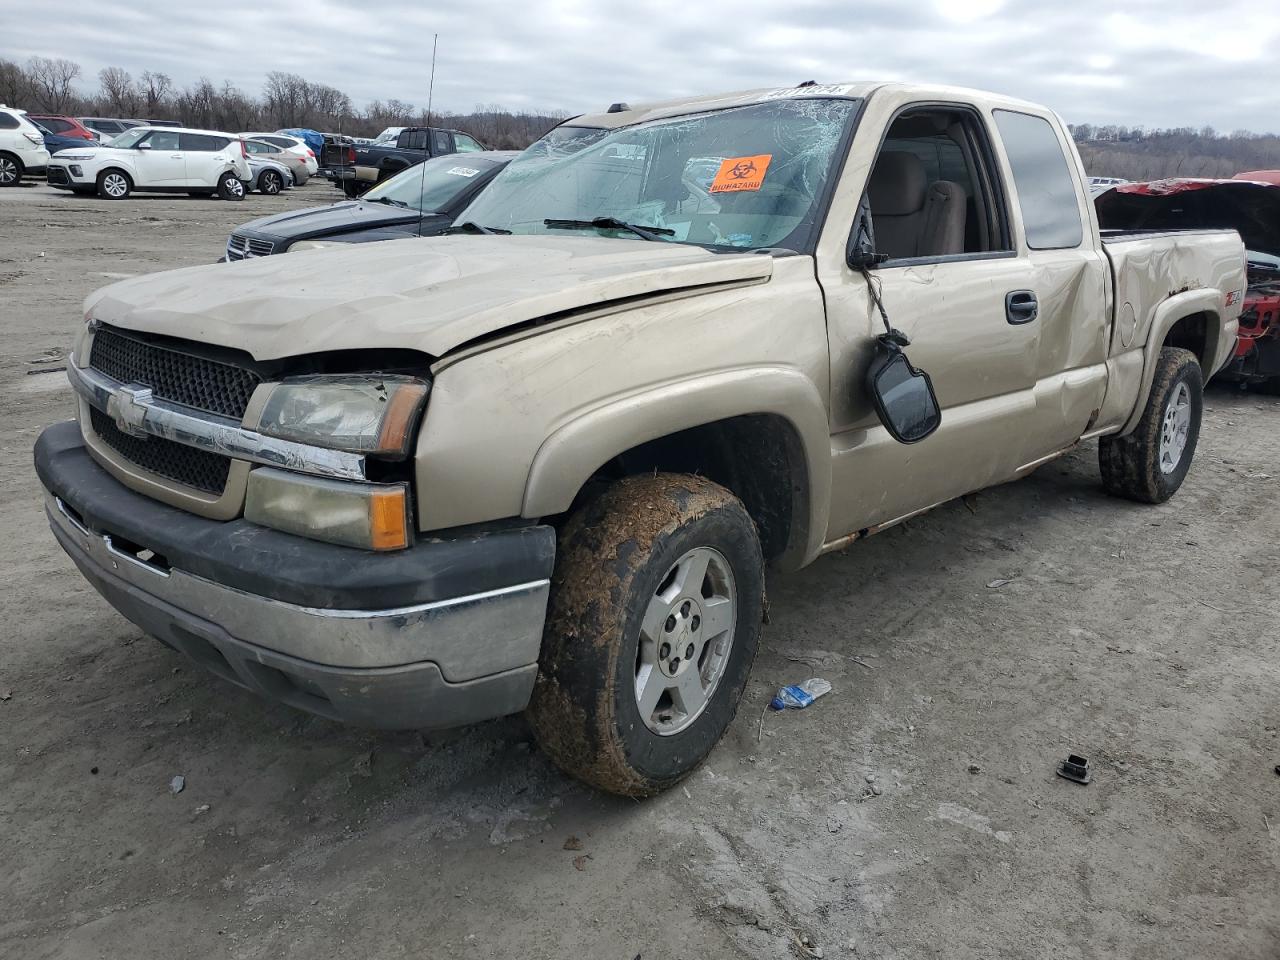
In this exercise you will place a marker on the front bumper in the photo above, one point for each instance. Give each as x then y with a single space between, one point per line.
442 634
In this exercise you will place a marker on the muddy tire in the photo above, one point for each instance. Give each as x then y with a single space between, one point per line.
1150 464
655 617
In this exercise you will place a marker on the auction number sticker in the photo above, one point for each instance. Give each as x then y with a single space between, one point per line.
741 173
462 171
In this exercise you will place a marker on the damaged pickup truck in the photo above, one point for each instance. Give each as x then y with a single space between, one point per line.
1248 204
543 462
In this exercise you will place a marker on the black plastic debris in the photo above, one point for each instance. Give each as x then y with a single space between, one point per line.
1076 769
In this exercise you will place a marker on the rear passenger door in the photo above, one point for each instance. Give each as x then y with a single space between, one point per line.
1068 274
204 160
160 160
941 219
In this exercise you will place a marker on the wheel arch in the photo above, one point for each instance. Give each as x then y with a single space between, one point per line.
761 432
1191 320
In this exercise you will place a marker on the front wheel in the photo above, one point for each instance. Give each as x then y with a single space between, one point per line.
1150 464
270 182
114 185
654 621
230 187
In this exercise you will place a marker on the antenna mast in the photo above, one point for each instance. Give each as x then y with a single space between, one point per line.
431 87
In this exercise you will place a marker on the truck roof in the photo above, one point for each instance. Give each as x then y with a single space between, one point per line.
621 115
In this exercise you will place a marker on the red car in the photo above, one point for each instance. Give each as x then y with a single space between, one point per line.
65 127
1249 204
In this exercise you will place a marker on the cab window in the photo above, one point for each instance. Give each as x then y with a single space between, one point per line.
933 191
464 144
1046 190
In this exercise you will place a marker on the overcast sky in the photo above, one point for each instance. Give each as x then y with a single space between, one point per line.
1165 63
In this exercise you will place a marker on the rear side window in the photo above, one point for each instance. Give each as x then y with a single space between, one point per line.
1046 192
56 125
415 140
464 144
442 144
8 121
202 143
280 142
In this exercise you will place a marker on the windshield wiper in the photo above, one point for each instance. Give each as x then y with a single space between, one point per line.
612 223
471 226
396 203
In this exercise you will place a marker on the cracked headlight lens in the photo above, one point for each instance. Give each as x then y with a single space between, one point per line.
360 413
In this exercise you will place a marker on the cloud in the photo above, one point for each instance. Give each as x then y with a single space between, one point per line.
1171 63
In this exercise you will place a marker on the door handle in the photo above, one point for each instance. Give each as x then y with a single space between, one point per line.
175 156
1021 306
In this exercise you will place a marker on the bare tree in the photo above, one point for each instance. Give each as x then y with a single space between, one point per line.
118 90
154 87
15 85
52 78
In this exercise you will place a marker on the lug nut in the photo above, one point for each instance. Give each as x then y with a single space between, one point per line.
688 652
664 651
684 609
671 623
695 623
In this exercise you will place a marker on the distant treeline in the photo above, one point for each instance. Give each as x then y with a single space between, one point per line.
54 86
1135 153
49 85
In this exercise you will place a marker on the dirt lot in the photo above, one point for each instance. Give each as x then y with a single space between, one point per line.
1142 637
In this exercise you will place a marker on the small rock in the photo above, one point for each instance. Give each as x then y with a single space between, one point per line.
997 584
834 825
573 843
202 809
178 784
6 694
363 765
876 790
974 768
871 778
94 771
580 862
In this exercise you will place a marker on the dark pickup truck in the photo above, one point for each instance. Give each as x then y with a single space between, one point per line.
376 162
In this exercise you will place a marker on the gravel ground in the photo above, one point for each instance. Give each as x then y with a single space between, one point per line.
914 812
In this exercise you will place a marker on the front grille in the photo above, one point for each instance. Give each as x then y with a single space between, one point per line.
240 247
57 175
174 375
173 461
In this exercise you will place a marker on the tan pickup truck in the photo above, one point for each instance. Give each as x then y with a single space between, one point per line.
542 462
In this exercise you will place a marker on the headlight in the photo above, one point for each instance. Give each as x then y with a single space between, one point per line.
63 155
360 413
372 516
313 245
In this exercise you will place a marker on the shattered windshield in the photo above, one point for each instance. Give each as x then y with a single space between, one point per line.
740 178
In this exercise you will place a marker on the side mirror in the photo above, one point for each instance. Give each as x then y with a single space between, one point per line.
144 146
903 395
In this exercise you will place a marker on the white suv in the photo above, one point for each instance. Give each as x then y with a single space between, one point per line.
159 160
21 147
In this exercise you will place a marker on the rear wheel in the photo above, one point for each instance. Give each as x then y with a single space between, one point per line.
230 187
114 185
653 625
10 170
1150 464
270 182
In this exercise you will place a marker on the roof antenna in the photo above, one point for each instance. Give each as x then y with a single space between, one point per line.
422 164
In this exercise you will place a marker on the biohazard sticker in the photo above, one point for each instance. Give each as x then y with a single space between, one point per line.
741 173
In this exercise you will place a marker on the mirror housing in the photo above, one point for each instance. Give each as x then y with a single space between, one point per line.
903 396
144 146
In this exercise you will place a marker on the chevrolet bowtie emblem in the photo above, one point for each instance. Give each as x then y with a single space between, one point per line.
127 406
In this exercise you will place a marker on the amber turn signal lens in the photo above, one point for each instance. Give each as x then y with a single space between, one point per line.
388 520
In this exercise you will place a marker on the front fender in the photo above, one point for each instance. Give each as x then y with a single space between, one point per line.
572 453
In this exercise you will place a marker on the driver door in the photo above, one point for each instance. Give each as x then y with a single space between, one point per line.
948 278
160 160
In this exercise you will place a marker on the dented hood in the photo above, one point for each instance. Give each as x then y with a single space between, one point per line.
428 294
1250 208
